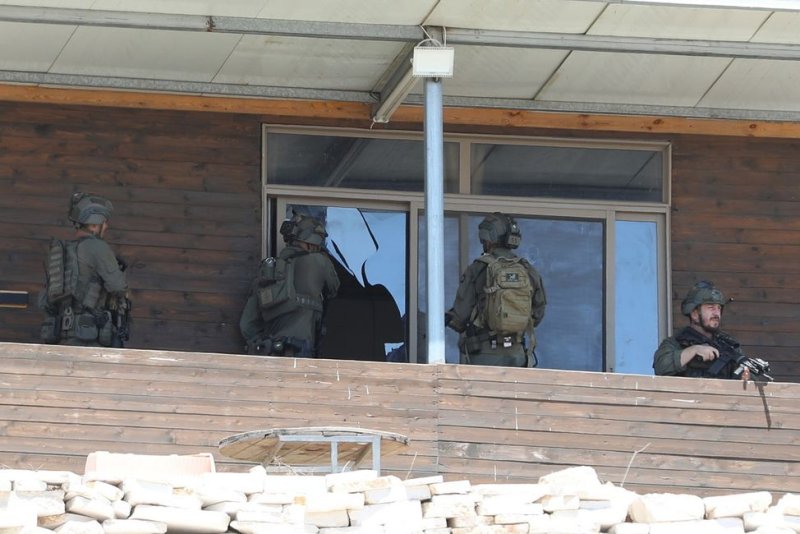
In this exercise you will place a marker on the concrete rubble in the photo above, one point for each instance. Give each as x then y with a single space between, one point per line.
572 501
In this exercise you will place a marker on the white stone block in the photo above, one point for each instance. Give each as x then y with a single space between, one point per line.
179 519
35 530
493 529
274 498
209 495
346 477
46 503
459 487
80 527
449 506
247 483
666 507
260 516
232 508
122 509
789 504
29 483
629 528
772 530
510 519
772 518
5 484
568 481
396 491
133 526
729 525
335 518
552 503
433 522
546 524
356 486
109 491
354 530
499 504
406 513
273 528
54 521
737 505
467 521
97 508
423 481
521 492
17 514
418 493
604 492
157 489
605 513
329 502
296 484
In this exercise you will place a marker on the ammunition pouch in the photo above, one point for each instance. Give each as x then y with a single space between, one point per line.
106 330
474 343
86 327
51 330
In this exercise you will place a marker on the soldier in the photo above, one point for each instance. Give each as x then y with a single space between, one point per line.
86 294
283 315
682 355
500 299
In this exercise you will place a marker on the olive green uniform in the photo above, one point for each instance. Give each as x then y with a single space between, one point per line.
667 361
475 344
100 282
315 276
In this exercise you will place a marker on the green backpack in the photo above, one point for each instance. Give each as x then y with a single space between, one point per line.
508 295
276 292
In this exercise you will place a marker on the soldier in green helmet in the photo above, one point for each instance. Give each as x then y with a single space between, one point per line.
283 314
499 301
86 294
683 355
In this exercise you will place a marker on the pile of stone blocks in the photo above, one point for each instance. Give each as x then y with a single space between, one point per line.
572 501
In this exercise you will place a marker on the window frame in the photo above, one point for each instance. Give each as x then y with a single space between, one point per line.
465 203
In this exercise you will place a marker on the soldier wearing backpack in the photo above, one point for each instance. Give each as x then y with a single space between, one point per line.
85 297
283 314
500 299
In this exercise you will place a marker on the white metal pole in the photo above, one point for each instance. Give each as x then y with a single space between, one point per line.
434 217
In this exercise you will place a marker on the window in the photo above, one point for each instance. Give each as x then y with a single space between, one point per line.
593 217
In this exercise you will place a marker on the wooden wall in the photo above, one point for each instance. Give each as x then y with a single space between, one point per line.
186 188
484 424
736 221
186 191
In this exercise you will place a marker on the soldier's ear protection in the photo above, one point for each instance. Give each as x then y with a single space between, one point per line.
287 230
501 229
513 236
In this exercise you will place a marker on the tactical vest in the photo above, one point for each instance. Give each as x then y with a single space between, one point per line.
275 289
71 303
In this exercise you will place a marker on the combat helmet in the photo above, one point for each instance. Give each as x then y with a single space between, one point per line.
703 292
87 208
501 229
303 228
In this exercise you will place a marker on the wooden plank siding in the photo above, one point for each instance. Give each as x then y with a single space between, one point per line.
484 424
187 218
186 186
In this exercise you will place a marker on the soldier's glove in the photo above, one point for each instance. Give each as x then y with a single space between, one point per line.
451 320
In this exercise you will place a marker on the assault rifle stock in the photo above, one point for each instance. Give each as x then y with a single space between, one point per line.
728 353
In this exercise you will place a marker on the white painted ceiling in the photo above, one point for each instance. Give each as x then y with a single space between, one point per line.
48 50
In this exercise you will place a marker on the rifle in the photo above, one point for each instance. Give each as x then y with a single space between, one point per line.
120 315
729 353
